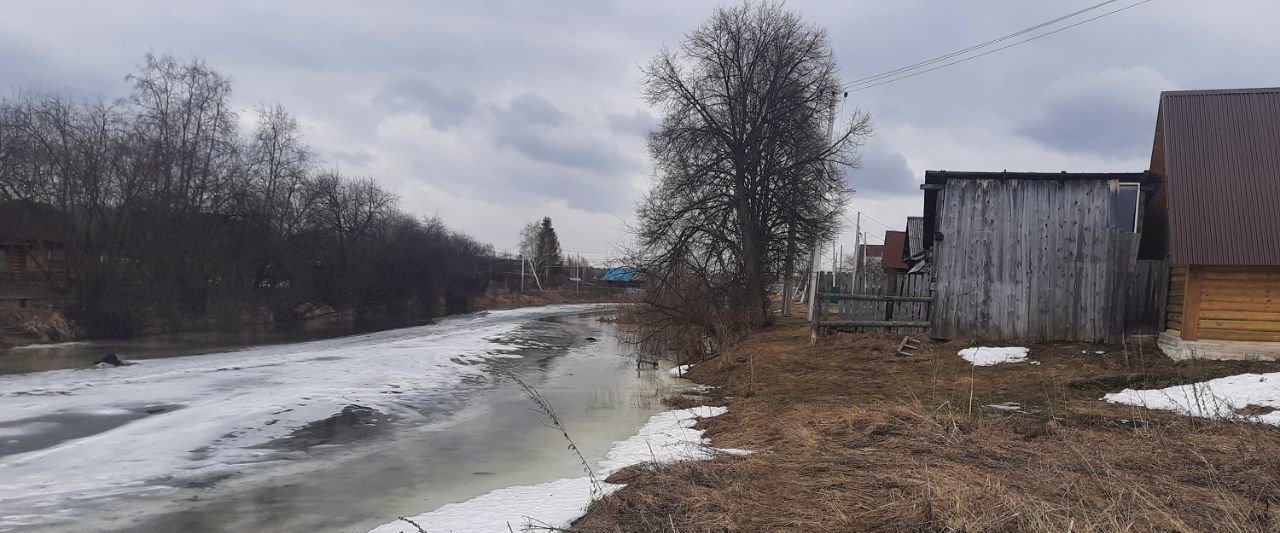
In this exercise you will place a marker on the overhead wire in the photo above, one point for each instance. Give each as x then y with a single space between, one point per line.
892 76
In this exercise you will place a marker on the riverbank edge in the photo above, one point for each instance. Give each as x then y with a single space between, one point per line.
849 436
49 326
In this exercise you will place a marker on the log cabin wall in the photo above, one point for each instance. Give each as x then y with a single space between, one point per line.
1228 303
1177 296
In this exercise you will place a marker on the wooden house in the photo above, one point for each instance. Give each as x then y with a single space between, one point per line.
1040 256
31 238
1217 219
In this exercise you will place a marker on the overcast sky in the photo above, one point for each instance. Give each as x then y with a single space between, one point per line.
492 114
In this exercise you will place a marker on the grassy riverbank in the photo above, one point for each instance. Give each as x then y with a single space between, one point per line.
849 437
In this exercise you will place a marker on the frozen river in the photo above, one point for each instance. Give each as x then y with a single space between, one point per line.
332 435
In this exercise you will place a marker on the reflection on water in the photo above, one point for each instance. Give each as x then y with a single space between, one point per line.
482 436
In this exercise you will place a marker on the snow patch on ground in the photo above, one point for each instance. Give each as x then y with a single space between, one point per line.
1216 398
988 356
679 371
666 438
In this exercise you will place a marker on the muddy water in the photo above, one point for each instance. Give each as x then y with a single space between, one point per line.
469 440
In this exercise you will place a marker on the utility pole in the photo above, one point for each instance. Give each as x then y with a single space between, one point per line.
522 273
813 276
857 251
817 243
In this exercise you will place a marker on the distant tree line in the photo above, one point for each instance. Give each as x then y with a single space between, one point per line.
172 213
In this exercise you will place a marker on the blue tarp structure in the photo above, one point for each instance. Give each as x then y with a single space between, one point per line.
620 274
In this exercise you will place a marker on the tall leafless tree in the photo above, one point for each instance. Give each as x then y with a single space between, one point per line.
749 171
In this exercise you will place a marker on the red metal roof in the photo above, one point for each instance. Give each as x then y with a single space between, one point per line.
1221 159
895 247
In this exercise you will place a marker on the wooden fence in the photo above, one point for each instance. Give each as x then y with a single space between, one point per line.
898 303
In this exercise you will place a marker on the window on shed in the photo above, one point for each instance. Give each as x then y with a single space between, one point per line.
1125 213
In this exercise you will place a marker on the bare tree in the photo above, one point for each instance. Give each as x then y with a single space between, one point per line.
541 247
170 216
749 169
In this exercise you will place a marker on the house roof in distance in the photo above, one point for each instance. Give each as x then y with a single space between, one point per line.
895 248
1219 152
620 274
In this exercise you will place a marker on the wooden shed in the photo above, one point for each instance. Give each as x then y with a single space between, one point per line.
1040 256
1217 219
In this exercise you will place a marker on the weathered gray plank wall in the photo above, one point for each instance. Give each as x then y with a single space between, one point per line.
1031 260
1145 297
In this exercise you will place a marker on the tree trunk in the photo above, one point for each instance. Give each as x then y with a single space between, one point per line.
788 269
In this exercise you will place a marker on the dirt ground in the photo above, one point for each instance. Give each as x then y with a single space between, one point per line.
849 437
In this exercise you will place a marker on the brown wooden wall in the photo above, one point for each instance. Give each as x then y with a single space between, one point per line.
1225 303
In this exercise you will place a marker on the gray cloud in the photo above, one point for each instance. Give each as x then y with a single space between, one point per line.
882 172
445 107
1111 113
529 109
638 122
565 151
533 126
361 75
355 157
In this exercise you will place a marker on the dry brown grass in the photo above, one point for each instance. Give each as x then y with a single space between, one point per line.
850 438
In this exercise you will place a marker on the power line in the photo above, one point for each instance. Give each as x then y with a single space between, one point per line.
872 80
868 79
871 218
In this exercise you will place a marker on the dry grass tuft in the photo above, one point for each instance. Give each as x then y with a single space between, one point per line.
850 438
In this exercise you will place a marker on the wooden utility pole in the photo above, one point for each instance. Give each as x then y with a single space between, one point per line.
855 276
521 273
813 276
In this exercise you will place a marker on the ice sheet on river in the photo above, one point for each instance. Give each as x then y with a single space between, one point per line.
190 420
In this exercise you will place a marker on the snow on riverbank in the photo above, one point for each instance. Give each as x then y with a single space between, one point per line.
679 371
667 437
987 356
186 421
1217 398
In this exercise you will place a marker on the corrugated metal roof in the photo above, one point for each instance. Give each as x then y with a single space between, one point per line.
620 274
1222 159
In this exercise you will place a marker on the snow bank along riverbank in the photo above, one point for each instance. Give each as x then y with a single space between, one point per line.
70 437
667 437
